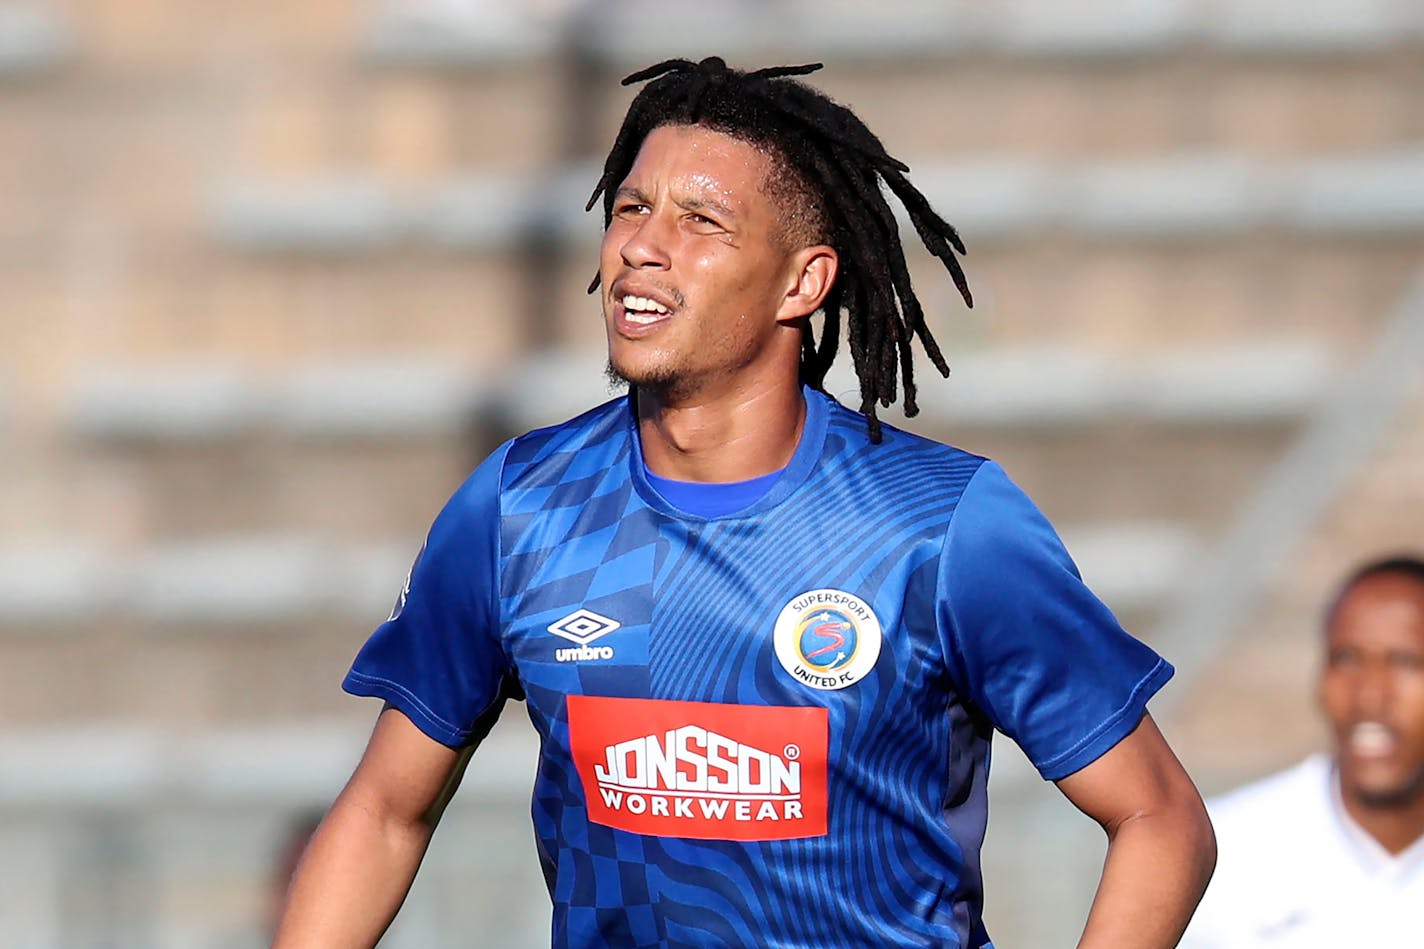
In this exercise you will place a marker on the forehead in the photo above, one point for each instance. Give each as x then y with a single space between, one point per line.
1385 608
694 161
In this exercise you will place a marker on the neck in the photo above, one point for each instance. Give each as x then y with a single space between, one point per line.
1394 827
734 436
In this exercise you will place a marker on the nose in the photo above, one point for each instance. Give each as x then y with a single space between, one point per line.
1372 689
646 246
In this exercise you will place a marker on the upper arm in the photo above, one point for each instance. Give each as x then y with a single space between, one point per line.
1139 776
404 775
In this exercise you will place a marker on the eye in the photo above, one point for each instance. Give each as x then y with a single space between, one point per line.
1344 658
702 222
630 209
1408 661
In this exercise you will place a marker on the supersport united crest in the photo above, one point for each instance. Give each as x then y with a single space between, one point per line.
827 639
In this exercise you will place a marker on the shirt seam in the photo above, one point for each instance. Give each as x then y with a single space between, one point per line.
941 596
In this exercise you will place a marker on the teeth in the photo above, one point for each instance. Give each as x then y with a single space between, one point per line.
1371 738
643 319
644 305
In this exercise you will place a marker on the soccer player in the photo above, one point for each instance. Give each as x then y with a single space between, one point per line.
764 639
1331 851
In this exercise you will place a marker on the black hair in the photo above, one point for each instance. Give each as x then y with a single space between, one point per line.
834 169
1402 565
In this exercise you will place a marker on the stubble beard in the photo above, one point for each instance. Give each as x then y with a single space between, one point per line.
1402 796
665 383
677 375
664 379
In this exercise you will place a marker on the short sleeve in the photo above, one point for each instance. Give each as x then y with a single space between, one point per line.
1026 639
439 658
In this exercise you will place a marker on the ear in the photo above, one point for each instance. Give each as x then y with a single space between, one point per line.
812 274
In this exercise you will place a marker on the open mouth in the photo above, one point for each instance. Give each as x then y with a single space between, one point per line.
1371 740
643 311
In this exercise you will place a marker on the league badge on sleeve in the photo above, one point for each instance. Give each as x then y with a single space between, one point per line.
827 639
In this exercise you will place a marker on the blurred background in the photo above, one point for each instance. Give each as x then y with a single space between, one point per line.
275 276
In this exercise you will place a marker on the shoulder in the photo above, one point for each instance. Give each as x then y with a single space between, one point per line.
542 456
1275 803
985 511
535 453
995 519
899 450
1275 825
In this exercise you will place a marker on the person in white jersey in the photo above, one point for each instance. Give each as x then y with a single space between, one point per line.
1331 851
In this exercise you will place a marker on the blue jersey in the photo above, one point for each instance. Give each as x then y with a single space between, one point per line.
769 727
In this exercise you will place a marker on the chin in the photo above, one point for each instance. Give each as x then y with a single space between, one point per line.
645 375
1385 792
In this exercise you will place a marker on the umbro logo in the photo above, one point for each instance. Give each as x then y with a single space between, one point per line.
583 627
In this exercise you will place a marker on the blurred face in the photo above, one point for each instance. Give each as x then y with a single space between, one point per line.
694 273
1372 690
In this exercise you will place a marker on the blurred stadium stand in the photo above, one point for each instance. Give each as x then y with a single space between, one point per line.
33 40
1182 197
183 402
275 281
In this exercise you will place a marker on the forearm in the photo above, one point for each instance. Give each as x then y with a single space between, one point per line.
352 879
1156 870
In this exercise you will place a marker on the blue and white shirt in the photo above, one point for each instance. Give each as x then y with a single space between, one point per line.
771 726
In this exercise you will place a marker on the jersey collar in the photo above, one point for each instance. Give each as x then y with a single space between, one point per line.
802 463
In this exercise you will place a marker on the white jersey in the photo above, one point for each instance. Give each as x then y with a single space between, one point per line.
1294 871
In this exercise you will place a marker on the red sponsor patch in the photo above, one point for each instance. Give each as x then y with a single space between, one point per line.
701 769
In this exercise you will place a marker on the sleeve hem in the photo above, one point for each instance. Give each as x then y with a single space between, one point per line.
401 698
1115 729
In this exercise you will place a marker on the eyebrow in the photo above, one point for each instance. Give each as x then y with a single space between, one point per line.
690 204
632 194
707 204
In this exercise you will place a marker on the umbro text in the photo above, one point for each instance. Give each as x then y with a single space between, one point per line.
583 653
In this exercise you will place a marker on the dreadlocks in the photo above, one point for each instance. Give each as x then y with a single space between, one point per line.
828 168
